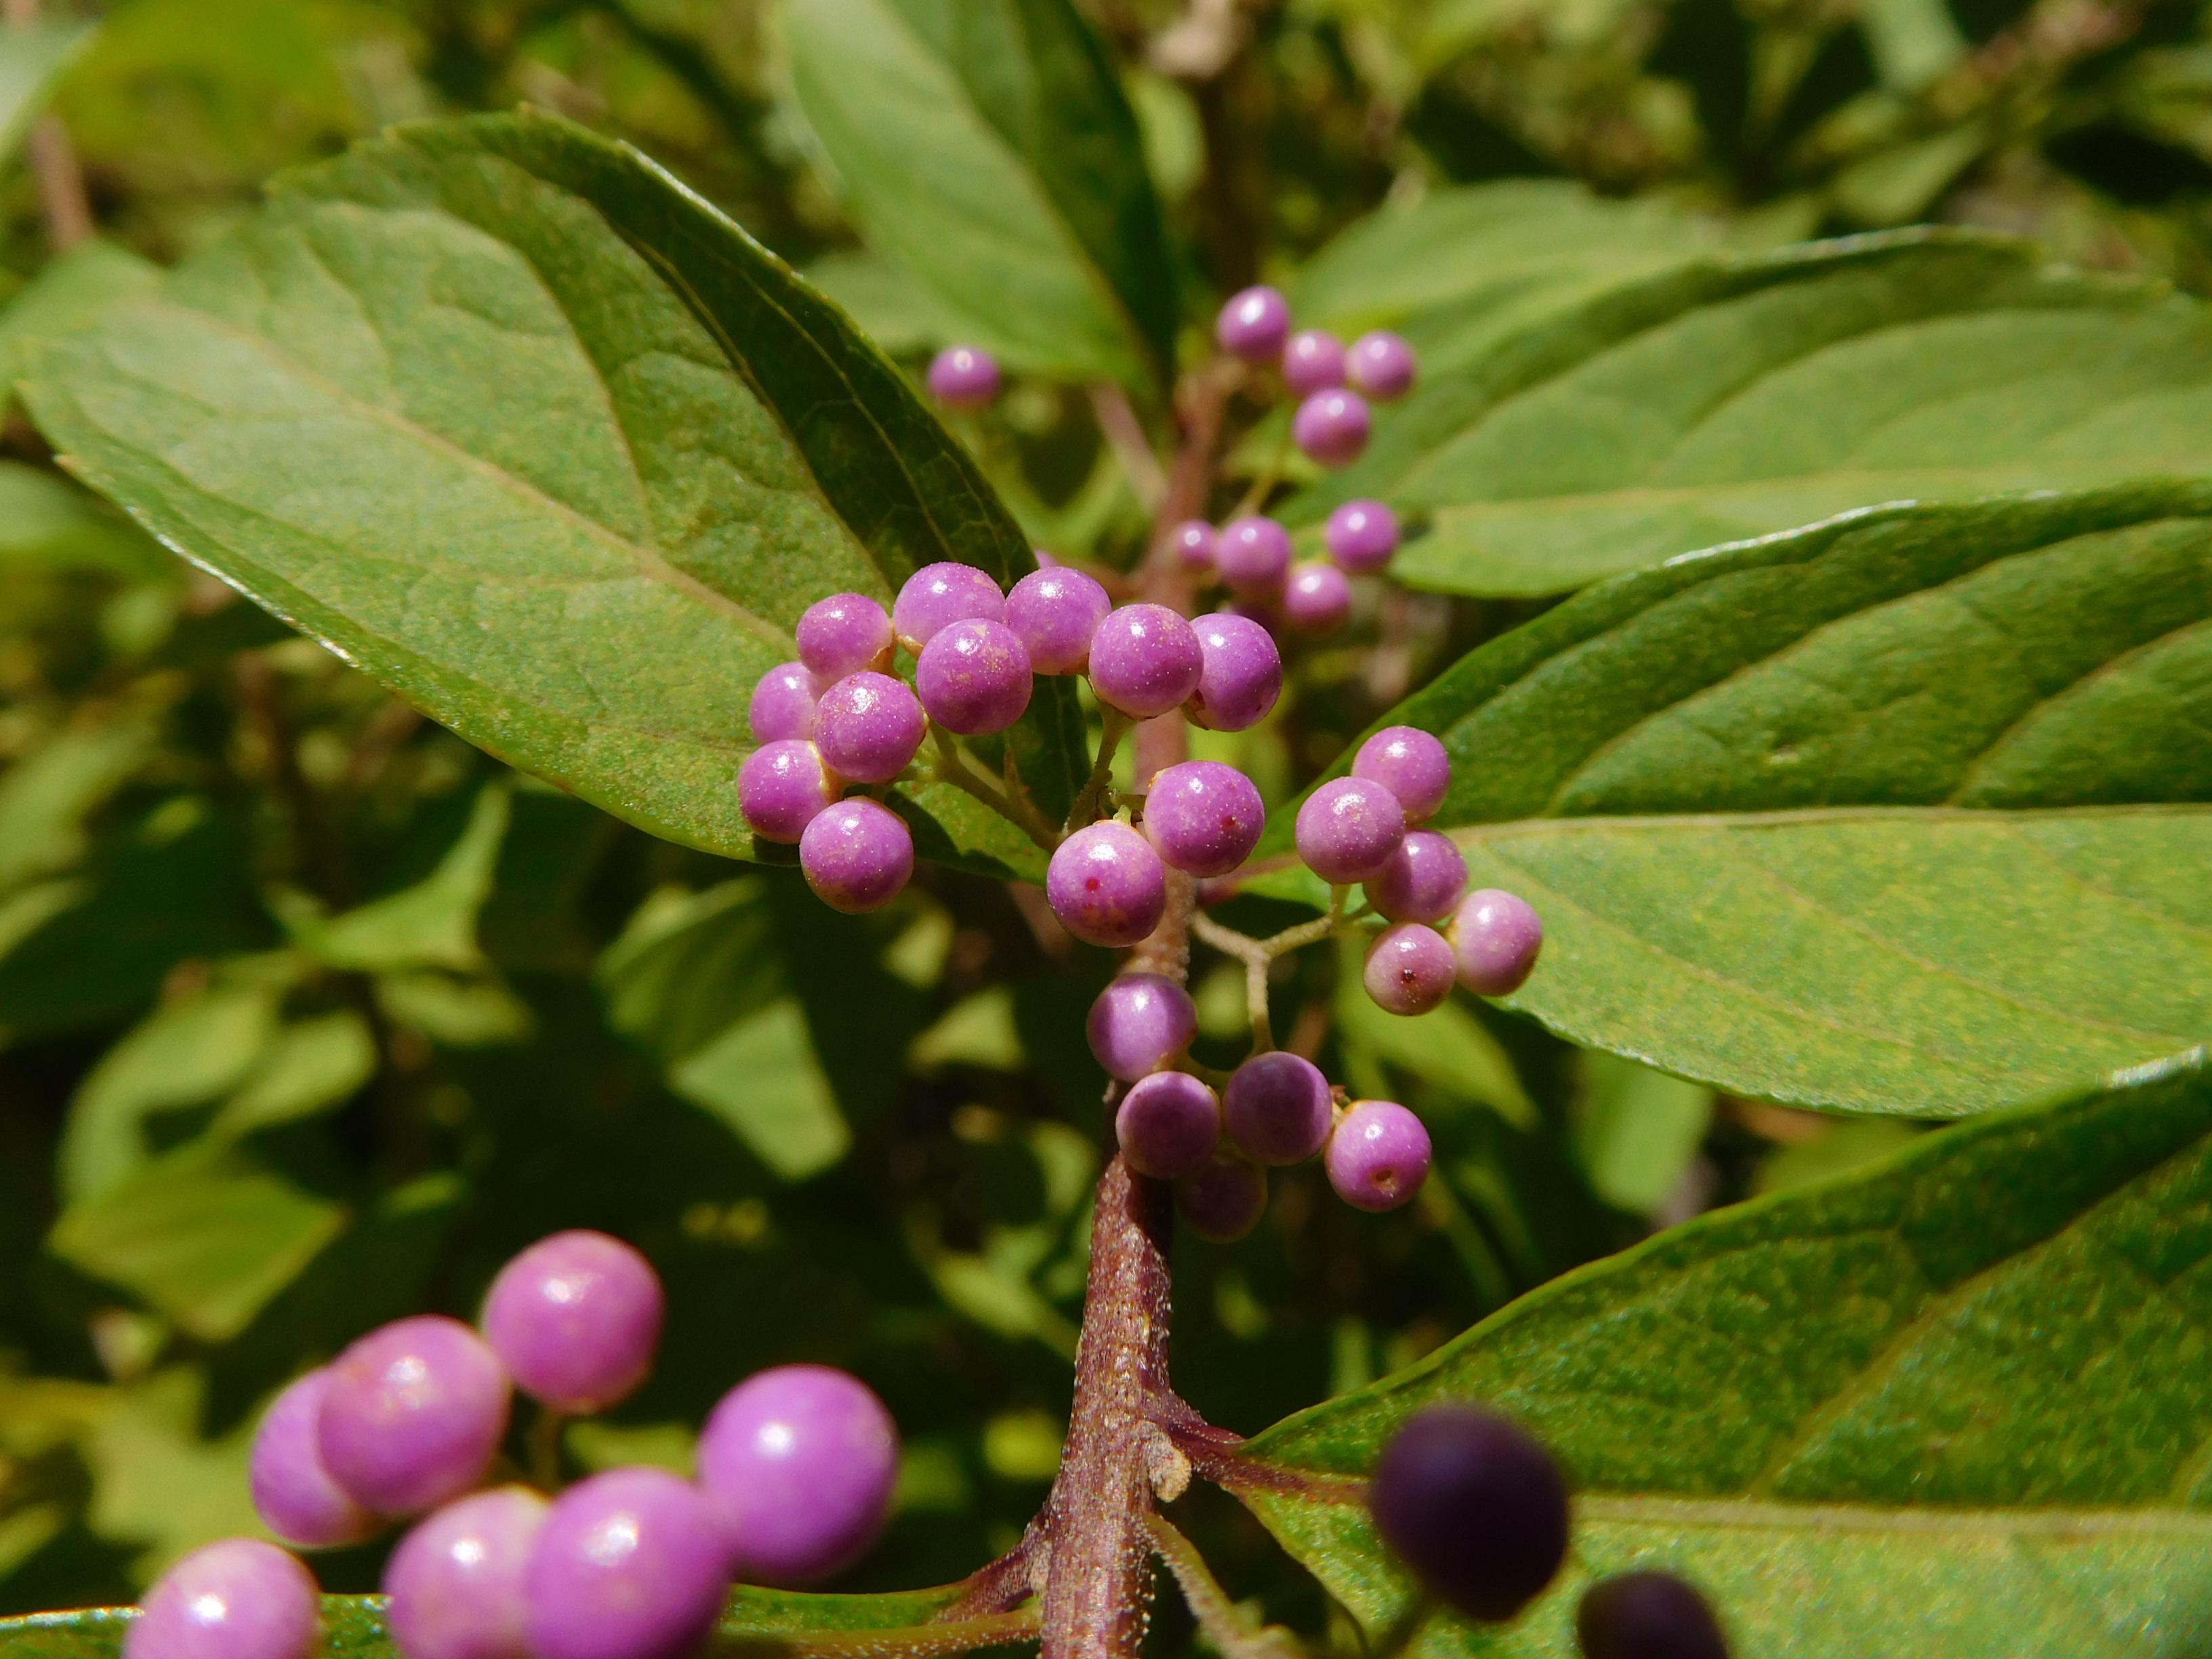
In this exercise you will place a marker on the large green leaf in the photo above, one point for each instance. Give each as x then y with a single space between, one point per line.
509 417
1735 398
987 148
1950 1407
32 58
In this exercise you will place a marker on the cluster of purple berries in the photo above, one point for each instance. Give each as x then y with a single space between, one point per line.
1332 383
1252 557
796 1466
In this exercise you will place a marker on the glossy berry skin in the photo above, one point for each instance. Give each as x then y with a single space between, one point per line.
783 703
456 1581
1138 1023
576 1319
974 677
1254 553
938 595
1316 599
1378 1155
412 1415
1107 885
782 787
1253 324
236 1598
1194 542
1423 880
800 1460
1348 828
1240 672
964 377
1475 1505
1054 613
1145 659
1203 817
1381 365
1496 935
1647 1616
869 726
1362 537
857 855
1277 1108
843 635
1410 764
630 1564
293 1493
1333 428
1223 1198
1168 1125
1312 360
1409 969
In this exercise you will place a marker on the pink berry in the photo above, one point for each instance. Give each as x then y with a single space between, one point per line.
1378 1156
964 377
1223 1198
1410 764
1145 659
237 1599
1409 969
783 703
801 1461
412 1415
1348 828
974 677
1423 881
1138 1023
293 1492
1277 1108
1381 365
1362 537
1054 613
456 1581
1333 428
629 1565
868 727
938 594
1167 1125
1253 324
1107 885
1253 555
1203 817
843 635
1195 542
1313 361
576 1319
857 855
1317 598
1240 672
782 787
1496 935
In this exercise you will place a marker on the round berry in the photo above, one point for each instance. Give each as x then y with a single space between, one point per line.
1475 1505
857 855
1348 828
1312 360
843 635
964 377
1253 554
1378 1155
1223 1198
938 595
293 1492
1203 817
456 1581
1410 764
1138 1023
1195 542
1333 428
975 677
1168 1125
1107 885
412 1415
801 1461
1317 598
1409 969
1277 1108
783 703
1053 613
576 1319
1253 324
782 787
1362 537
1423 881
1145 659
869 726
1496 937
237 1599
1647 1616
1240 672
1381 365
630 1564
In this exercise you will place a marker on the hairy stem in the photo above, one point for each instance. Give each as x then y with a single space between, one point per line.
953 768
1224 1626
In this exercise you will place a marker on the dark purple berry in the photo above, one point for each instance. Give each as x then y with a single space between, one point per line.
782 787
293 1492
629 1565
456 1581
868 727
1475 1505
939 594
1253 554
236 1598
857 855
1496 937
1195 542
1145 659
1381 365
1647 1616
412 1415
974 677
1424 881
576 1319
1312 360
1240 673
1203 817
1107 885
1317 598
1054 613
801 1460
1138 1023
1410 764
1277 1108
1409 969
1378 1155
1333 428
1253 324
1362 537
964 377
843 635
1168 1125
783 703
1348 828
1223 1198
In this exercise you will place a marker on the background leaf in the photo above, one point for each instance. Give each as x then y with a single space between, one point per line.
31 58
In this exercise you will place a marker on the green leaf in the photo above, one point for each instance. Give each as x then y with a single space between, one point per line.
510 418
160 1487
46 798
46 520
431 924
67 294
760 1076
1946 1409
32 58
1639 1130
987 148
1737 398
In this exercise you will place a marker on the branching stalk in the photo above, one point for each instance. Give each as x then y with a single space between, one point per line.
1087 807
1220 1621
952 767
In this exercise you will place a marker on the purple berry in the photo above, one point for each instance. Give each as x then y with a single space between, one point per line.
1381 365
1475 1505
1253 554
1253 324
237 1599
1333 428
1138 1023
1409 969
843 635
938 594
630 1564
1348 828
1378 1155
1240 672
1277 1108
783 703
456 1581
293 1492
1053 613
975 677
1362 537
1423 880
1145 659
1223 1198
576 1319
1410 764
1647 1616
1107 885
857 855
964 377
868 727
1203 817
1317 598
1496 937
412 1415
1313 361
1168 1125
801 1460
1195 542
782 787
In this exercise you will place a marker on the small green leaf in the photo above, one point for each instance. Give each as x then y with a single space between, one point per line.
1637 1131
760 1076
432 924
32 58
312 1067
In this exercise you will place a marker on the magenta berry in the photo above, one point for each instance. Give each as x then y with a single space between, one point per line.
974 677
857 855
1496 935
456 1581
939 594
1378 1155
630 1564
868 727
1107 885
1223 1198
1647 1616
1348 828
843 635
1312 360
1240 673
1253 555
293 1492
1138 1023
1362 537
576 1319
1317 598
1475 1505
1203 817
1195 542
237 1599
783 703
412 1415
1409 969
964 377
1381 365
782 787
1423 880
1054 613
1253 324
1168 1125
1277 1108
1410 764
1333 428
1145 659
801 1460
